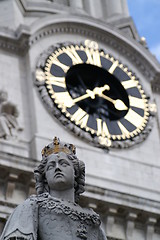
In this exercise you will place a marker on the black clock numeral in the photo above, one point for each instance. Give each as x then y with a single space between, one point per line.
102 128
80 117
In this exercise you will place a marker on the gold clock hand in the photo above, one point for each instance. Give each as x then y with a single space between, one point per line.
89 93
119 105
99 90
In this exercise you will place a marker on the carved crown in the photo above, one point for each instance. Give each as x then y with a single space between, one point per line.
56 146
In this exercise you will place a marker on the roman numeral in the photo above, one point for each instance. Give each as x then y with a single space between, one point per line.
93 57
113 67
57 81
64 99
123 129
102 128
137 102
73 55
129 84
55 61
80 117
134 118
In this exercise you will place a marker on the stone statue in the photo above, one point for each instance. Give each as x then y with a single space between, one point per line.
8 117
54 213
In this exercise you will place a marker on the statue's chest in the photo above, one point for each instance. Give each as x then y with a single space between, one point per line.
59 221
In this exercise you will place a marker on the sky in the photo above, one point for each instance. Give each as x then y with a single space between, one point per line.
146 16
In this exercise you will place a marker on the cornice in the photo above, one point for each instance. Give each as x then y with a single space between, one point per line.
100 31
24 37
18 163
40 7
108 198
15 41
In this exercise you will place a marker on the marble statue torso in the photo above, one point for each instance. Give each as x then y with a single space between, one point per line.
43 217
60 219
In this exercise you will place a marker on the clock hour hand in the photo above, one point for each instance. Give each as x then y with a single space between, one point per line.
118 104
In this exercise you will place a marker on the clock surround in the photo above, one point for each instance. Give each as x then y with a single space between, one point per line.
121 125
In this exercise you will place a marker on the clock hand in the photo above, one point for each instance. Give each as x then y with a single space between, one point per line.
118 104
99 90
89 93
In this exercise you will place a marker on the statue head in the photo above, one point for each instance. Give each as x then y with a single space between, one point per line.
64 155
3 96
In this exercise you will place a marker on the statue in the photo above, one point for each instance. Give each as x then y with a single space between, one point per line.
54 212
8 117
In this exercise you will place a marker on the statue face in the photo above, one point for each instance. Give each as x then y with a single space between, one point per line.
3 96
59 172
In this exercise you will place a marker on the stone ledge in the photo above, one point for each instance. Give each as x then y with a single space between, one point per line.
14 147
123 200
17 41
8 160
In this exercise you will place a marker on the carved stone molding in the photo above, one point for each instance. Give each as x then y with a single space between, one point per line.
156 83
17 164
17 41
127 217
108 35
125 201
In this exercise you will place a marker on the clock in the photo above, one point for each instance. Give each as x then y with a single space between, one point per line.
95 92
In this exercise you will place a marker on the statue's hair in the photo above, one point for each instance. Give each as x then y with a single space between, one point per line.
79 168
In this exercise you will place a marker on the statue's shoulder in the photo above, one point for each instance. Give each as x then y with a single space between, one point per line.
23 221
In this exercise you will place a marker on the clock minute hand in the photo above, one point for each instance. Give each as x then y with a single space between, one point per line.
91 94
88 94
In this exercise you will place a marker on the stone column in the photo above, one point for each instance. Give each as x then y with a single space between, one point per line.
150 228
76 4
11 185
114 8
95 10
130 225
125 11
110 221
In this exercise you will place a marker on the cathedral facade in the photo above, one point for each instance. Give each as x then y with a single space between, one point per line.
79 70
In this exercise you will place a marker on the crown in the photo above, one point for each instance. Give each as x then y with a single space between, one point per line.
56 146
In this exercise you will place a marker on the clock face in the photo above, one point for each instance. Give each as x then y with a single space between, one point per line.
95 92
